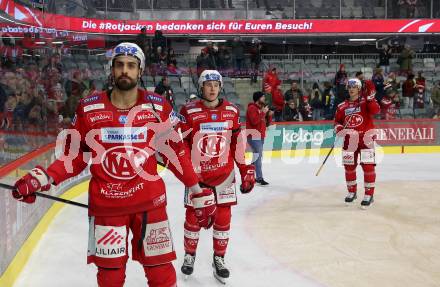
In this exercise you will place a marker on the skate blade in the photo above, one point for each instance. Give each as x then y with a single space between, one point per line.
219 279
186 277
365 207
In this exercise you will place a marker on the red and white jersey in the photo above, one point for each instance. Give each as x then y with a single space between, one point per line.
388 108
358 114
214 139
123 144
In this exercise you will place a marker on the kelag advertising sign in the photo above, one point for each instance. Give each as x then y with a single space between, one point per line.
287 136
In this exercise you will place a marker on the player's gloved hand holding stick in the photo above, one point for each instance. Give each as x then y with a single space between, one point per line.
203 201
247 178
27 186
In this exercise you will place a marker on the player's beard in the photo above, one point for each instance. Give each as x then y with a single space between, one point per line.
125 83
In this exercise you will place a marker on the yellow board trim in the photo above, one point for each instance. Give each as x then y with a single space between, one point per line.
17 264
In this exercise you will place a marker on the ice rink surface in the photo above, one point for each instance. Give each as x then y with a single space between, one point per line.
295 232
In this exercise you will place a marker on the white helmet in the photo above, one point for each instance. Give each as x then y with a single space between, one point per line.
210 75
354 82
129 49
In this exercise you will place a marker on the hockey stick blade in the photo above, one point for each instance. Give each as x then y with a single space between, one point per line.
40 194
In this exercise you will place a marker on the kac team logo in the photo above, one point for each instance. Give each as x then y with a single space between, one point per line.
124 162
212 145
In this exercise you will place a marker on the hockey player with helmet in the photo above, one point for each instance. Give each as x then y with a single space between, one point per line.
354 122
215 142
119 131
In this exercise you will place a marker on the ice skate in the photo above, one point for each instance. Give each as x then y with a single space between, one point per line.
188 265
221 273
351 196
367 201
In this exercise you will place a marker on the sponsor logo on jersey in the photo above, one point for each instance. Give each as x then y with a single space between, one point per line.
354 120
149 106
214 117
213 127
199 117
124 162
194 110
212 145
154 98
122 119
144 116
228 115
91 99
352 110
124 135
93 107
158 239
110 241
97 117
231 108
175 118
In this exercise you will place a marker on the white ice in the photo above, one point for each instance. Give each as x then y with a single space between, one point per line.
60 257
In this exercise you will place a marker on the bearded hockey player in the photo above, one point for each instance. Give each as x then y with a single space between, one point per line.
215 142
118 132
354 122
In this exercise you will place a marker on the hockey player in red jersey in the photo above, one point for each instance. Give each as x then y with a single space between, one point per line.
119 132
215 142
354 122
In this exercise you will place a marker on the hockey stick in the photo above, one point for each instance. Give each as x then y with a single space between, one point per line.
40 194
333 145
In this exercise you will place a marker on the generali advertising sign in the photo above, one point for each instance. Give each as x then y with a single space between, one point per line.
411 133
36 18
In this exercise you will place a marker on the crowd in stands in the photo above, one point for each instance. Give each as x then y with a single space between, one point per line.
41 93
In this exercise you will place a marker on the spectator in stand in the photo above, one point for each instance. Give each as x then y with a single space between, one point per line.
329 101
378 81
277 104
419 97
142 41
294 93
435 97
271 79
54 63
204 62
390 104
291 112
223 59
341 79
405 59
359 75
75 86
159 41
317 103
238 54
256 59
258 117
393 81
10 53
306 109
408 90
163 88
408 7
421 82
172 62
384 58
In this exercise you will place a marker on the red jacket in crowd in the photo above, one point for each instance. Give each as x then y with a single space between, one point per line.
271 79
277 99
256 119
